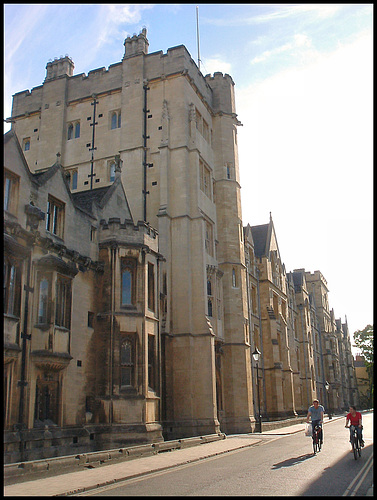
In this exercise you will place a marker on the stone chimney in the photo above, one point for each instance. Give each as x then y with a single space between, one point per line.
138 44
59 67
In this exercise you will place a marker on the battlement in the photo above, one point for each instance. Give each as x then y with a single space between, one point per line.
137 44
140 234
59 67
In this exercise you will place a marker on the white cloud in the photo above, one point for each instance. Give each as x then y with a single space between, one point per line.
279 12
115 17
213 64
300 41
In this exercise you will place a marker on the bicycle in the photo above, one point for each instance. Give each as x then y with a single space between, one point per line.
317 438
355 442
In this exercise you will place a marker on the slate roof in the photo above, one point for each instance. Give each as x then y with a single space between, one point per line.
260 234
85 199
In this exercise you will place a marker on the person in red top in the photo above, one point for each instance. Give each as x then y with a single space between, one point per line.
354 418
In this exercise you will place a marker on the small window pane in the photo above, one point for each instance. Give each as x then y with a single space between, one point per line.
112 172
7 193
77 130
114 120
70 132
43 301
126 287
74 180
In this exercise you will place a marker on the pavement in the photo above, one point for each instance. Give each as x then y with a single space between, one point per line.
96 475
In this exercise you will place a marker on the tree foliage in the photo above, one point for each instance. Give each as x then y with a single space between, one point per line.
364 341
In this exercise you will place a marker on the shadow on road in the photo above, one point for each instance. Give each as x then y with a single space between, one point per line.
292 461
338 477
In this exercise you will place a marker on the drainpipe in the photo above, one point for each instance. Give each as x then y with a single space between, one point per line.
112 301
23 382
34 216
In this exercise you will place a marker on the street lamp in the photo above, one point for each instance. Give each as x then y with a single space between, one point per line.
256 356
327 387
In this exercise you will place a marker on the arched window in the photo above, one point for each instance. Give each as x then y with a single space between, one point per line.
128 270
70 132
77 130
114 120
126 364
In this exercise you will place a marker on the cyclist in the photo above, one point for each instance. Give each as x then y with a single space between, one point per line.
316 412
354 418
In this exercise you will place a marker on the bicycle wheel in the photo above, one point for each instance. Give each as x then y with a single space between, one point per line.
354 448
315 443
359 447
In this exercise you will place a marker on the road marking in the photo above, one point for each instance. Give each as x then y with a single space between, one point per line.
363 472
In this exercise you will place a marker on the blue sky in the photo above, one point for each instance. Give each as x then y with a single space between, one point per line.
303 81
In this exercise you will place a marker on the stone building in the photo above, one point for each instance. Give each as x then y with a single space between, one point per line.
81 310
175 133
276 338
362 381
169 293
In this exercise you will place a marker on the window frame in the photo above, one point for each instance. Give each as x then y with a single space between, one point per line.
115 119
55 214
128 265
127 366
73 130
12 286
45 318
11 189
26 144
151 287
63 301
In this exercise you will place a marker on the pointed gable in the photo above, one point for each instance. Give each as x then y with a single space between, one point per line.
109 201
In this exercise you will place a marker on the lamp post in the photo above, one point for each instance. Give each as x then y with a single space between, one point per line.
256 355
327 387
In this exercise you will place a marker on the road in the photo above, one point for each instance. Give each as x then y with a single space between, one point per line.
278 465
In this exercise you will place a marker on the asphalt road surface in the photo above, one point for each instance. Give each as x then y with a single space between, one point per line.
279 465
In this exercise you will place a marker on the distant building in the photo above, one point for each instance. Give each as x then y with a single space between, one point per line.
362 381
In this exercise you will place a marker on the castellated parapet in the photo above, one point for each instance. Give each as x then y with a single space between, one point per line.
138 44
217 90
59 67
138 235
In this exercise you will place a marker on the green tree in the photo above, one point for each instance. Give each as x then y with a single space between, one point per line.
364 341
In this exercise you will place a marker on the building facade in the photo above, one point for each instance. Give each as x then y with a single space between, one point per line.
81 310
173 293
